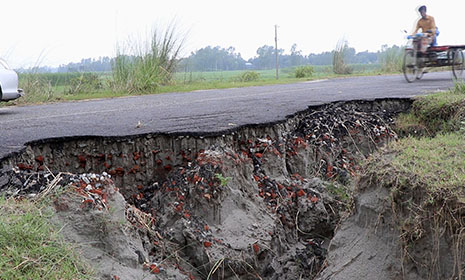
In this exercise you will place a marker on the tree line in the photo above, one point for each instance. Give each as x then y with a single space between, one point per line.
222 59
217 58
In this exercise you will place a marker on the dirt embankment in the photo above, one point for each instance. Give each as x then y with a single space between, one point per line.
250 204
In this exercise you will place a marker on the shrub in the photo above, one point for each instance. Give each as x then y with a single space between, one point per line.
248 76
304 71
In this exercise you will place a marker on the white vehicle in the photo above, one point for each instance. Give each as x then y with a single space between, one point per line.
8 83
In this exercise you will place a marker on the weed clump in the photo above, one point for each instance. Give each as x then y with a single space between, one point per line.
248 76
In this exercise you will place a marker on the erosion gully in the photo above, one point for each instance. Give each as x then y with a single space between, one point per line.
259 201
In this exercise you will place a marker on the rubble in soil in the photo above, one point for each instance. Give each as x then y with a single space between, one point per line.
264 206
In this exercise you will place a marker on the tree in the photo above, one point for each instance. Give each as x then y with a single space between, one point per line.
296 58
324 58
266 58
215 58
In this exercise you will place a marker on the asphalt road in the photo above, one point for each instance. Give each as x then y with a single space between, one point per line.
199 111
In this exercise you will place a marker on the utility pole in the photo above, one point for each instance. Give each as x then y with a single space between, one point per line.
276 50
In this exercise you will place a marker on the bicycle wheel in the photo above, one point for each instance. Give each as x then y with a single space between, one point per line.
458 64
409 66
420 73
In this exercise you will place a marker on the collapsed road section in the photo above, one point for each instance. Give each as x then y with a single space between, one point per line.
259 202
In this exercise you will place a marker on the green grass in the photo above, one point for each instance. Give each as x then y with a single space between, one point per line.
438 112
437 160
31 248
321 71
341 192
431 164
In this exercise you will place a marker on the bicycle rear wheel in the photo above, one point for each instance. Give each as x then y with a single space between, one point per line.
409 66
458 64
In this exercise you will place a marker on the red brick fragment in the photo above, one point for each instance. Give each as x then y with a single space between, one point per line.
314 199
23 166
256 248
40 159
154 269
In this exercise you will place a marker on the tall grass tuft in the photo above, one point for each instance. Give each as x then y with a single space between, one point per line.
339 54
37 87
390 58
144 66
459 87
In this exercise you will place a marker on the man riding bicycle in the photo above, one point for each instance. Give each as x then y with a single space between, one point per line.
427 25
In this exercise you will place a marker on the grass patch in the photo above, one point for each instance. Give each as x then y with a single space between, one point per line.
438 112
30 247
408 124
431 164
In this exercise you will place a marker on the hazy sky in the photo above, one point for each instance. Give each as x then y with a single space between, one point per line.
52 32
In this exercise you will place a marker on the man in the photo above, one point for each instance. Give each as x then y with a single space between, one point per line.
427 25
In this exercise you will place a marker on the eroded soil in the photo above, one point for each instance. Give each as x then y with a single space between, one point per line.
259 203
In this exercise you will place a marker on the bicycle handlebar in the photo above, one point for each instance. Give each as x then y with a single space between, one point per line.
418 35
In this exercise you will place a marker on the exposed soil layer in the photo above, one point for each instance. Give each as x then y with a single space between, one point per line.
398 231
259 202
366 245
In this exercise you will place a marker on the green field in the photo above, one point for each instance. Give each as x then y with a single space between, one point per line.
321 71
